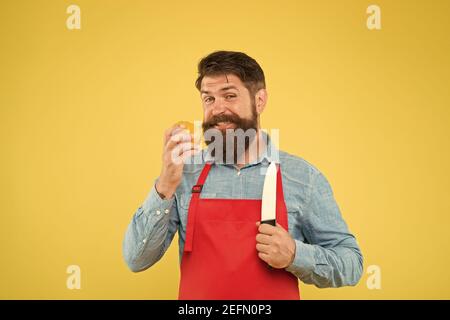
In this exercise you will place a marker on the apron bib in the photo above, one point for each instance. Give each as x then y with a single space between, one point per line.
220 260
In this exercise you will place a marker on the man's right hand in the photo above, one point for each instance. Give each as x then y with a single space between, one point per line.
178 146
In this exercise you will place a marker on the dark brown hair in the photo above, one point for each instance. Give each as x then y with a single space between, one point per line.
232 62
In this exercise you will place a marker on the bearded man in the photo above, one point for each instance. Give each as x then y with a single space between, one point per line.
216 199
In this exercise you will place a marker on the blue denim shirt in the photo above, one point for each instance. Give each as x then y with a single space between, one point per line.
327 254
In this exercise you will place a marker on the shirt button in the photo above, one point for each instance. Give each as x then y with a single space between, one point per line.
239 173
158 212
166 211
144 241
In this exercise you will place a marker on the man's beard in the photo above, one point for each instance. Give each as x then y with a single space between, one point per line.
235 141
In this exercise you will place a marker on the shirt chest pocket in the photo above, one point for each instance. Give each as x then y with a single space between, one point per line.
292 207
295 217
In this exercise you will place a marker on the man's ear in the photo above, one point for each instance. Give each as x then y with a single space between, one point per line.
260 100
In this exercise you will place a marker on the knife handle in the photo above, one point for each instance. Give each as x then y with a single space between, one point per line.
272 222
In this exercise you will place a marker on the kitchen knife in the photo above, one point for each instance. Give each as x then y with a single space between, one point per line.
269 196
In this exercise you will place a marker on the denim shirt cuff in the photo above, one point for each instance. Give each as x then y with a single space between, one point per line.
304 261
153 204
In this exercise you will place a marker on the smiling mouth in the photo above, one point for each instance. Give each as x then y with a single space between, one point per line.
225 125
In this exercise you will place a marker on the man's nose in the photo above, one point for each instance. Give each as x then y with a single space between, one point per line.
218 107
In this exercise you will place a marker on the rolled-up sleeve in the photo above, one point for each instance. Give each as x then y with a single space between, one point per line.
330 255
150 231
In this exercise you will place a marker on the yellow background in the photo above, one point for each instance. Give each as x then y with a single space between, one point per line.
83 111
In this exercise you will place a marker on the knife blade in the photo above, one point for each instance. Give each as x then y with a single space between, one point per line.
269 196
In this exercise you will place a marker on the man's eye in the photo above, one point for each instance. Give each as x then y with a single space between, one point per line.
230 96
208 99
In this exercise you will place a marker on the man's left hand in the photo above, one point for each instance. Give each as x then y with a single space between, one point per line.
275 245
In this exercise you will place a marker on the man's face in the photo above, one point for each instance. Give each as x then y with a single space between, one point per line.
227 106
226 103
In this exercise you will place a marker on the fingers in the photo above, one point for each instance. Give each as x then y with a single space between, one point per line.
176 139
182 151
274 245
264 248
263 239
169 132
173 130
181 148
264 257
187 154
268 229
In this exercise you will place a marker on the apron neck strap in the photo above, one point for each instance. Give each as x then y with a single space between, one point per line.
196 189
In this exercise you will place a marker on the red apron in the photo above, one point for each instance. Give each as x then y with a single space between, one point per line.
220 260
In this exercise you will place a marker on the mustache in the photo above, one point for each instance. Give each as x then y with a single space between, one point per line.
214 120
